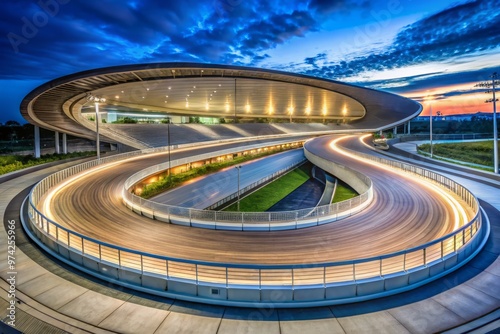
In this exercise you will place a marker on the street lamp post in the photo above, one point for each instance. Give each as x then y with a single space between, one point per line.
235 116
96 101
168 138
238 193
494 82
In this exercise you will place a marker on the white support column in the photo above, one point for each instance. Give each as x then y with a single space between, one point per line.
56 138
37 142
64 143
395 130
409 127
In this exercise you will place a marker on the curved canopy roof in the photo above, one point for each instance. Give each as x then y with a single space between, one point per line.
212 90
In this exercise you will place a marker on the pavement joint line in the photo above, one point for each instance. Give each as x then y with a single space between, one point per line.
398 321
116 309
161 323
41 312
337 318
220 321
470 286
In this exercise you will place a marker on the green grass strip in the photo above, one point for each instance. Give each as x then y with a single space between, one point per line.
11 163
264 198
480 152
343 192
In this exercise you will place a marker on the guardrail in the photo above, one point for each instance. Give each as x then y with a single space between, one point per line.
255 285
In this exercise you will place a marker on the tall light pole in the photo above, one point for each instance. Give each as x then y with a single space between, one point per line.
238 194
235 117
494 82
96 101
168 138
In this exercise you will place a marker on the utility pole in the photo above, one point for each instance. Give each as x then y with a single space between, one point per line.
491 86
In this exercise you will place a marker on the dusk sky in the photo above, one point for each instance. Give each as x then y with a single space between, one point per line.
410 47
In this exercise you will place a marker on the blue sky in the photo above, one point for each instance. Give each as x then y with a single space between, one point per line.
409 47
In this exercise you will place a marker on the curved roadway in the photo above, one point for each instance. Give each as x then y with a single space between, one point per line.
403 214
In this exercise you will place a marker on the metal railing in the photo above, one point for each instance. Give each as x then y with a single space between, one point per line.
238 220
104 259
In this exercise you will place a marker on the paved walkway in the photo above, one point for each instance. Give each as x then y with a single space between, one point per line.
52 298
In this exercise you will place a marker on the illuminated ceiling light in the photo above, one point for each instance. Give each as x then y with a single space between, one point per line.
122 91
194 86
169 87
247 107
147 88
206 106
188 95
215 91
271 109
308 110
117 96
143 97
220 85
324 111
210 94
187 104
344 111
227 106
290 110
166 95
191 91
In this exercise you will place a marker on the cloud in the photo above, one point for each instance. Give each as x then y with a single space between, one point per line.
314 60
87 34
468 28
329 7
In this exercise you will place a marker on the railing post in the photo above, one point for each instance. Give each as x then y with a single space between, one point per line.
324 278
425 256
260 278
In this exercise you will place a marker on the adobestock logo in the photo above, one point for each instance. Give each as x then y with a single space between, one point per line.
31 27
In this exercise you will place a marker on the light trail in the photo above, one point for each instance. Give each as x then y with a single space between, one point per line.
460 216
